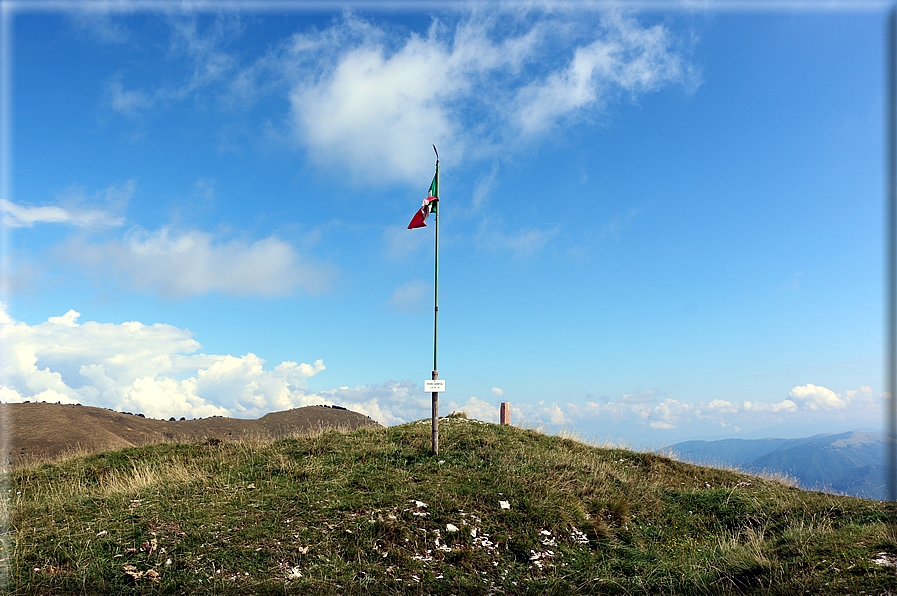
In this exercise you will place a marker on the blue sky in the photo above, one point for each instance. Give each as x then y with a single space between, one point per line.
655 225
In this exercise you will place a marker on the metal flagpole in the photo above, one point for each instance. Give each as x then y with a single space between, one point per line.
891 260
436 315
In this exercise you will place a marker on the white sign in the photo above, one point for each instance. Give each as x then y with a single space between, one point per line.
434 386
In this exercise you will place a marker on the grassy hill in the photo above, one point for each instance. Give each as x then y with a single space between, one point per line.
40 431
500 511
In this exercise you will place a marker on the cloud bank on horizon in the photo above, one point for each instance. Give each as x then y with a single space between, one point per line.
155 370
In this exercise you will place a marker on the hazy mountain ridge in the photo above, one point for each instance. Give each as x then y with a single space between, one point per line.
852 463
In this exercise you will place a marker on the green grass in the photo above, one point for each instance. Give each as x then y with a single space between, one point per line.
369 512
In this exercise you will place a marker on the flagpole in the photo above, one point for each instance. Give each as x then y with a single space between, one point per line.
436 316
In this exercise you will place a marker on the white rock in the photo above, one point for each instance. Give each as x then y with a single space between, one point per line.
885 560
504 504
451 527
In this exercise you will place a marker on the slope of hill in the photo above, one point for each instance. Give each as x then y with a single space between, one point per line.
499 511
852 463
35 431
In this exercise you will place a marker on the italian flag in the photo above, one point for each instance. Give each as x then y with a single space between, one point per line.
423 213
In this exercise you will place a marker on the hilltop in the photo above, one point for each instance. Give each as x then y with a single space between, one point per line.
500 511
39 430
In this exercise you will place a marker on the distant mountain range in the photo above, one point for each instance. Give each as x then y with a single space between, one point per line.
851 463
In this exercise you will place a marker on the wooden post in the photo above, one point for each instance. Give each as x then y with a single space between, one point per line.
435 417
505 413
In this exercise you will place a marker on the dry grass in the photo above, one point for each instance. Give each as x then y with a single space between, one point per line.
370 512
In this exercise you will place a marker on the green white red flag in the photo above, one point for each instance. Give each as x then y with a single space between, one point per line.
423 213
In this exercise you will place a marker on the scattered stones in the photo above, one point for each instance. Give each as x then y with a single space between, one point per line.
578 536
150 574
885 560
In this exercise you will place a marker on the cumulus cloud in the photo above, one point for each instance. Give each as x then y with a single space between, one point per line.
478 409
762 406
651 408
191 262
372 103
669 413
153 369
813 397
159 371
721 406
810 398
369 98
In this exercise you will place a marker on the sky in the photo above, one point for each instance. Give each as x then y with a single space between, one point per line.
656 223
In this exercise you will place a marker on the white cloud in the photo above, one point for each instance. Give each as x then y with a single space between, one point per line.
128 102
160 371
627 58
762 406
643 407
157 370
813 397
399 244
71 209
152 369
191 262
370 99
619 222
97 22
411 296
388 403
374 104
721 406
642 396
863 393
198 51
478 409
485 185
22 216
669 413
522 243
